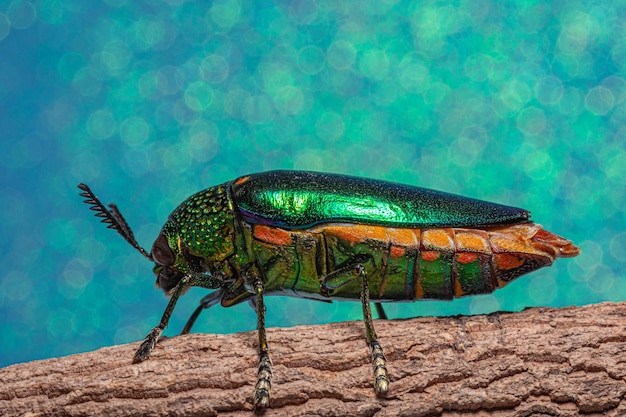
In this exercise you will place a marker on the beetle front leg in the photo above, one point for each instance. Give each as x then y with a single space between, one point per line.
379 363
152 338
264 374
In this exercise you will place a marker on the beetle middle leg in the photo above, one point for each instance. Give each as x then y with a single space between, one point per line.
207 301
338 279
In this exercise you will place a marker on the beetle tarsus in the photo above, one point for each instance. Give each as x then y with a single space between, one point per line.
264 382
379 363
148 344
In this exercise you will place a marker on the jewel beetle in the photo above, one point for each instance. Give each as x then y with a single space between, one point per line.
330 237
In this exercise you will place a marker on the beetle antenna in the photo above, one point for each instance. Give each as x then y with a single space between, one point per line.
112 218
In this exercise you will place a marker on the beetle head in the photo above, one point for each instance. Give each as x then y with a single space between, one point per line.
172 257
173 261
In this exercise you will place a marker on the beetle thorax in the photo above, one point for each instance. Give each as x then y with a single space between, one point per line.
205 224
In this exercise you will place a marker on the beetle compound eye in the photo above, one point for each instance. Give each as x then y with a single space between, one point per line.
161 251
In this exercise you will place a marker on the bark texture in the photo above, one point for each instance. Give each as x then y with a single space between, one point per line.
539 362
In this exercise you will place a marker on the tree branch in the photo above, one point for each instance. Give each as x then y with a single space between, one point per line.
539 362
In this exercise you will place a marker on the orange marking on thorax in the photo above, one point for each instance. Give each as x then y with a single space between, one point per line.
242 180
272 235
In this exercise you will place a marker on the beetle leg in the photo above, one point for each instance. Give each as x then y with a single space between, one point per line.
379 363
151 339
207 301
264 374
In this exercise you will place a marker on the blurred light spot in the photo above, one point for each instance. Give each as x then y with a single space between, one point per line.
5 26
484 304
599 100
225 13
214 69
136 162
115 56
617 86
303 11
514 94
16 285
478 67
54 12
311 60
148 33
538 165
134 131
149 85
21 13
69 65
101 124
61 323
542 289
275 76
198 96
289 100
602 280
329 126
374 64
577 29
548 90
86 83
436 93
169 80
76 275
204 146
413 75
617 247
615 167
531 121
61 114
60 233
257 109
571 104
86 166
234 100
341 55
467 149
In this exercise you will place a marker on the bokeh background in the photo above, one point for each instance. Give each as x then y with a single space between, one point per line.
516 102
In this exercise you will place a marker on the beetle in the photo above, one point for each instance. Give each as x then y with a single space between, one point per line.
329 237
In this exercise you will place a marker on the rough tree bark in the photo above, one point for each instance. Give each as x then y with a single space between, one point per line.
539 362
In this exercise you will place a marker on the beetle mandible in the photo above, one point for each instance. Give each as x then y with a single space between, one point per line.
328 236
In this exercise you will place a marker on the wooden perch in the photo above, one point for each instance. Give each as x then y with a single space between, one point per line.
539 362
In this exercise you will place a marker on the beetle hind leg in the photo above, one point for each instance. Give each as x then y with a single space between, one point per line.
379 363
264 374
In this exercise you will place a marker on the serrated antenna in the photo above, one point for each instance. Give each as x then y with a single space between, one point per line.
112 218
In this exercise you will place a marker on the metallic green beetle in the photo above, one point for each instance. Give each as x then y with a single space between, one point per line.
326 236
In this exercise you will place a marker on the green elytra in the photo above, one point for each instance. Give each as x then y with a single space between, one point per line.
210 241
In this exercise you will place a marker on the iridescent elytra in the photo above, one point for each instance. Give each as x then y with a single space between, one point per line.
328 236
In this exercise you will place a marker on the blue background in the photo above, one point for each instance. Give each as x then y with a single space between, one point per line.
516 102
